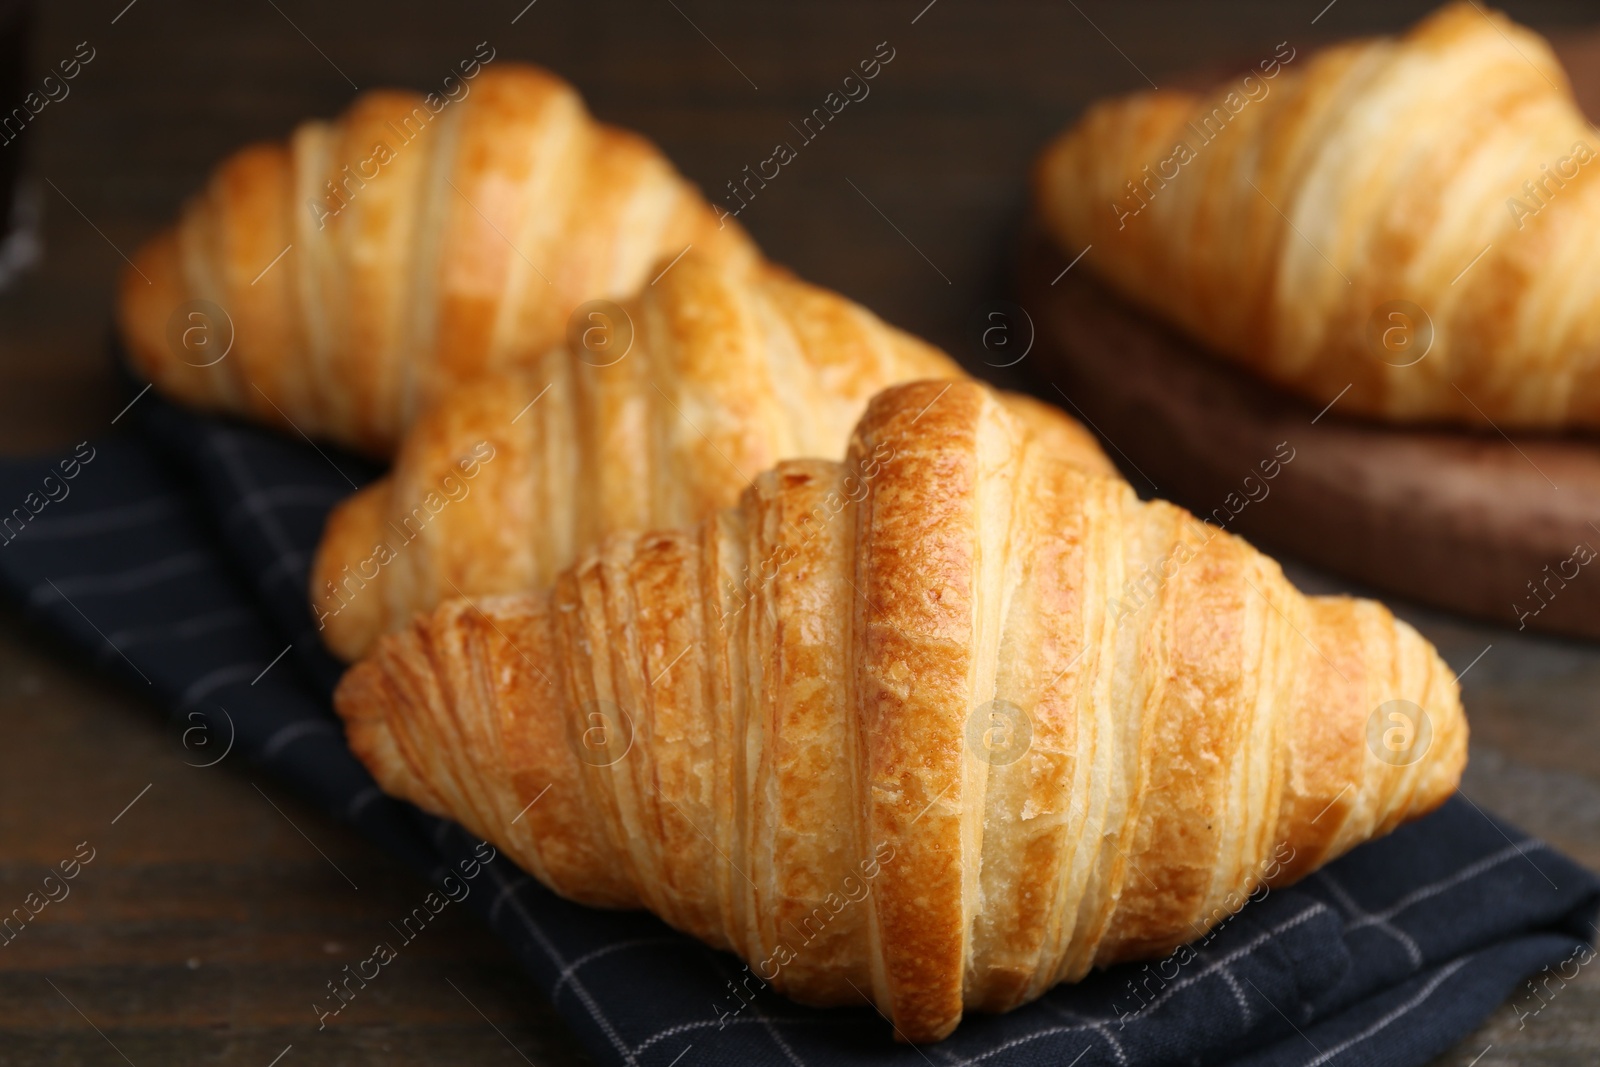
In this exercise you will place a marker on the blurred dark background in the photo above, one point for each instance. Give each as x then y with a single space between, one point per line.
942 145
206 926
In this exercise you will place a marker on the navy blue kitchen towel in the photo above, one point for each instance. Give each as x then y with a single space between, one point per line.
176 557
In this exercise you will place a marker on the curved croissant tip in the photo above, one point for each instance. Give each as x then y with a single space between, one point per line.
348 604
375 696
148 290
1448 727
364 703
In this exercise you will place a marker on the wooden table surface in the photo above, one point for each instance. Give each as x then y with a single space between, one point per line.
206 924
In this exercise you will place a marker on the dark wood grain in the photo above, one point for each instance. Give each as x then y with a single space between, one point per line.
206 924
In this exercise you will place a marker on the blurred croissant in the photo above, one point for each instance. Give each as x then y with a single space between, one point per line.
1416 220
905 728
369 263
654 414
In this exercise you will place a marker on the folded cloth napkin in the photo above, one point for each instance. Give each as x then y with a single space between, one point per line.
176 558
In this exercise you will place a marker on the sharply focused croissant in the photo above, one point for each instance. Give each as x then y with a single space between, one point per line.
938 727
1416 220
656 413
371 262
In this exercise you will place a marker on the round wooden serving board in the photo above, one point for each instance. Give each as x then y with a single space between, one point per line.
1489 526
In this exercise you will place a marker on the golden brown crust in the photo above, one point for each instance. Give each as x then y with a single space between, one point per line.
729 371
1318 219
939 726
421 245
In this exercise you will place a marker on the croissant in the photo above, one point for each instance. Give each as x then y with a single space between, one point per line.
937 727
1409 225
335 284
657 412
